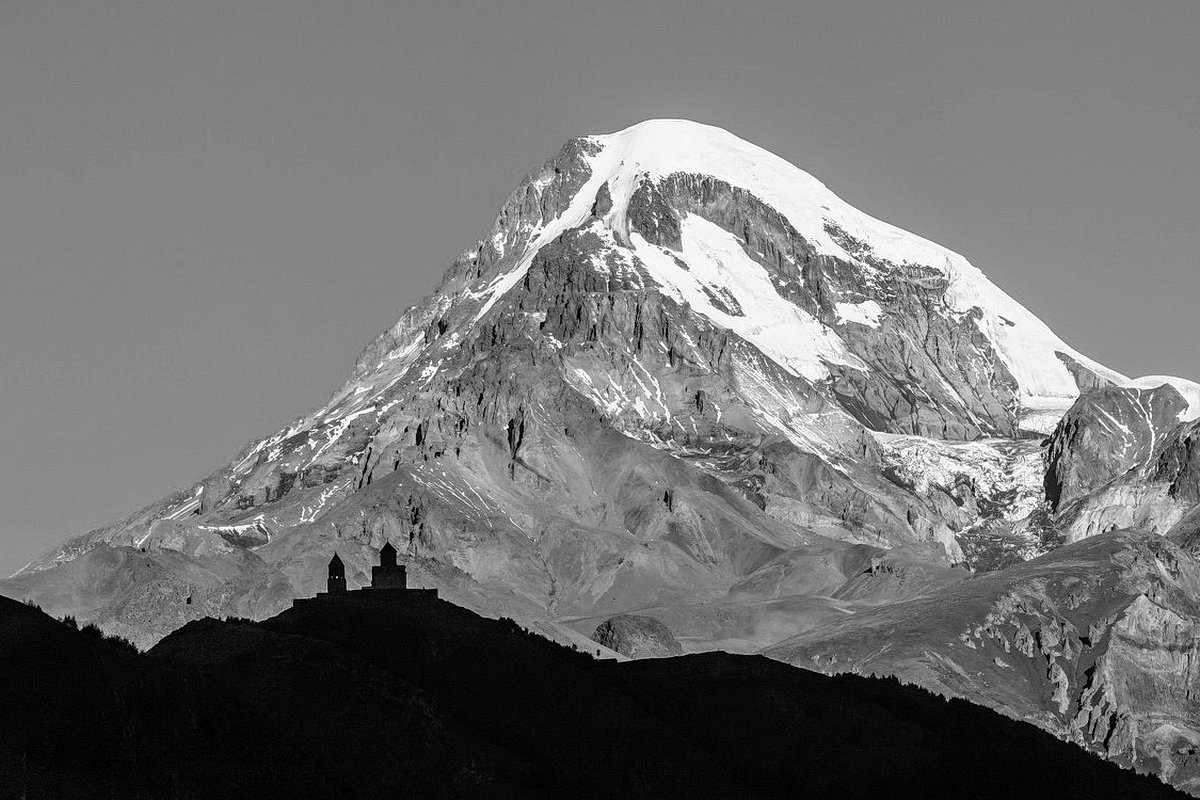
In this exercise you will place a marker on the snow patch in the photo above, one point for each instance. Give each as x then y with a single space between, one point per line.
713 259
1189 389
866 313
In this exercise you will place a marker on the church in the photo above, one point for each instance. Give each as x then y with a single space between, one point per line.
388 578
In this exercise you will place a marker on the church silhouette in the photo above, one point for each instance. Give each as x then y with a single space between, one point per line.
388 578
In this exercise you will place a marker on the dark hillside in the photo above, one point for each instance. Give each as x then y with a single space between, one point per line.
702 725
374 696
83 717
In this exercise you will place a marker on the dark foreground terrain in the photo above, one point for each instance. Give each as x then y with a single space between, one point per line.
370 696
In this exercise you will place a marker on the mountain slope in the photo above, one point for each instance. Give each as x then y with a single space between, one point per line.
1096 642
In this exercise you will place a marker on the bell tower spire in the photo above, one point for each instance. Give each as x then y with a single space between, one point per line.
337 575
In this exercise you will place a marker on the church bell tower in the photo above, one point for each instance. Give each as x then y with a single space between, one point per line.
389 574
337 575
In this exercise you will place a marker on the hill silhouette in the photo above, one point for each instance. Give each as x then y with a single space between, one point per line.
83 717
408 696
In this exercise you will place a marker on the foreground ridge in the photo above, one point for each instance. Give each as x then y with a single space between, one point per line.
366 696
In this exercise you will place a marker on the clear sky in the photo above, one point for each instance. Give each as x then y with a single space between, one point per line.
207 208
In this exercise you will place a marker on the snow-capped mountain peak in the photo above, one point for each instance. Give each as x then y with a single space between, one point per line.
810 321
659 148
699 294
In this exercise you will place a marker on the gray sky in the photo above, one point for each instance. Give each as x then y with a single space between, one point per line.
207 208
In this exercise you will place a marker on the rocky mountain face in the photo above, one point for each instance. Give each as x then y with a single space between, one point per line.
1096 641
1122 458
1105 434
680 376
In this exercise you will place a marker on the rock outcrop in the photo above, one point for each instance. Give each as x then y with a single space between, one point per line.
1122 458
1107 432
637 637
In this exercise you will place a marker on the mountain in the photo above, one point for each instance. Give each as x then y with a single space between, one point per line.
1096 641
678 377
368 696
